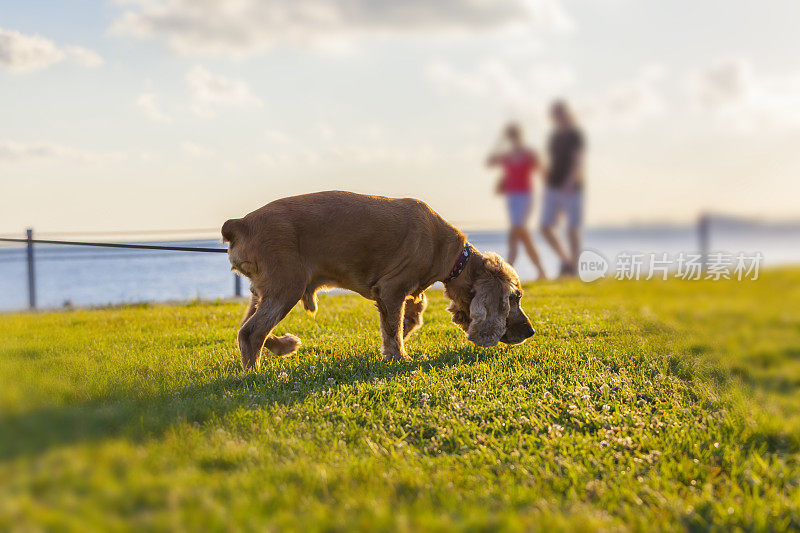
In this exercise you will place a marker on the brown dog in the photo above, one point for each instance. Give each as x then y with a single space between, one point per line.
387 250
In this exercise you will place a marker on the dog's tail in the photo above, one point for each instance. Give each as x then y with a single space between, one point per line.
231 230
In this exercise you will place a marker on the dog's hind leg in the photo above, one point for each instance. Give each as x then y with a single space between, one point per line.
412 314
256 332
251 307
310 300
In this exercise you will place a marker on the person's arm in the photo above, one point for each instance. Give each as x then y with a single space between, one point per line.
576 171
494 160
576 168
537 164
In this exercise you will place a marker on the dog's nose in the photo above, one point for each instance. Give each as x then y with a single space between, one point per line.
529 331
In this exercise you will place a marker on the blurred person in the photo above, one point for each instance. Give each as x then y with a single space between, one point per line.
563 193
518 163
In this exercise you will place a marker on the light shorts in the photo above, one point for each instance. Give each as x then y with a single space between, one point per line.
519 207
556 201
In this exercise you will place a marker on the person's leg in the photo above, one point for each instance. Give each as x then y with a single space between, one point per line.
521 231
530 247
551 207
574 236
513 242
550 236
516 213
574 224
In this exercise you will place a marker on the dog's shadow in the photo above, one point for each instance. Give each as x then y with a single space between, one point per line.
141 417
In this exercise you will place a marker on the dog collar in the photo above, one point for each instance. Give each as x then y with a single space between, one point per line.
461 262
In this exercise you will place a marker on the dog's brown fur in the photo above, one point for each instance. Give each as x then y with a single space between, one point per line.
387 250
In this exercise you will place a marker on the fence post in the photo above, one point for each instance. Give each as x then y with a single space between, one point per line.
31 272
237 285
703 234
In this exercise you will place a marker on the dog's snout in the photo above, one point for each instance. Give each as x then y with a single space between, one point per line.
529 331
518 333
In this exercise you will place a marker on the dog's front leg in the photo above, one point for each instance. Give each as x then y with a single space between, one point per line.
391 311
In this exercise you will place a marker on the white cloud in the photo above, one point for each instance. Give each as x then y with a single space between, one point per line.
528 91
366 146
323 131
25 53
18 152
210 90
521 89
352 154
277 137
147 103
628 102
249 26
732 90
196 150
723 84
84 56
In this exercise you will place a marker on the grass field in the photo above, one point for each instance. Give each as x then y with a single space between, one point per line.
636 405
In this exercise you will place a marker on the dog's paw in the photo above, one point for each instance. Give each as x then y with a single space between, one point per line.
250 356
397 357
285 345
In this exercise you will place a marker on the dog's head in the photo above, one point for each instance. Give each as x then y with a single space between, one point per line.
491 312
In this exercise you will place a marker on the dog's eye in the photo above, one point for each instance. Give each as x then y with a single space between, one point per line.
515 296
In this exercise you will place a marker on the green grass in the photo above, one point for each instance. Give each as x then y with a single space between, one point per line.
638 405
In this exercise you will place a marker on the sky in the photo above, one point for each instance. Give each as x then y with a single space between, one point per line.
170 114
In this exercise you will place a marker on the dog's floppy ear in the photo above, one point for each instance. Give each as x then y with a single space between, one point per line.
460 317
488 312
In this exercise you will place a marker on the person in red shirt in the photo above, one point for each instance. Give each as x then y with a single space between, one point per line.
518 163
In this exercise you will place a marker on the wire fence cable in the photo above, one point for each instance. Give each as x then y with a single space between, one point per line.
119 245
30 256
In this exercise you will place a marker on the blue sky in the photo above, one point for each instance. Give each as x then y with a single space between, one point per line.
143 114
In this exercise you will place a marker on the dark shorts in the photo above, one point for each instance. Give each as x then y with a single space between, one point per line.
557 201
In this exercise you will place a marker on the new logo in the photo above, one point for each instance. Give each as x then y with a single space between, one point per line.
592 266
